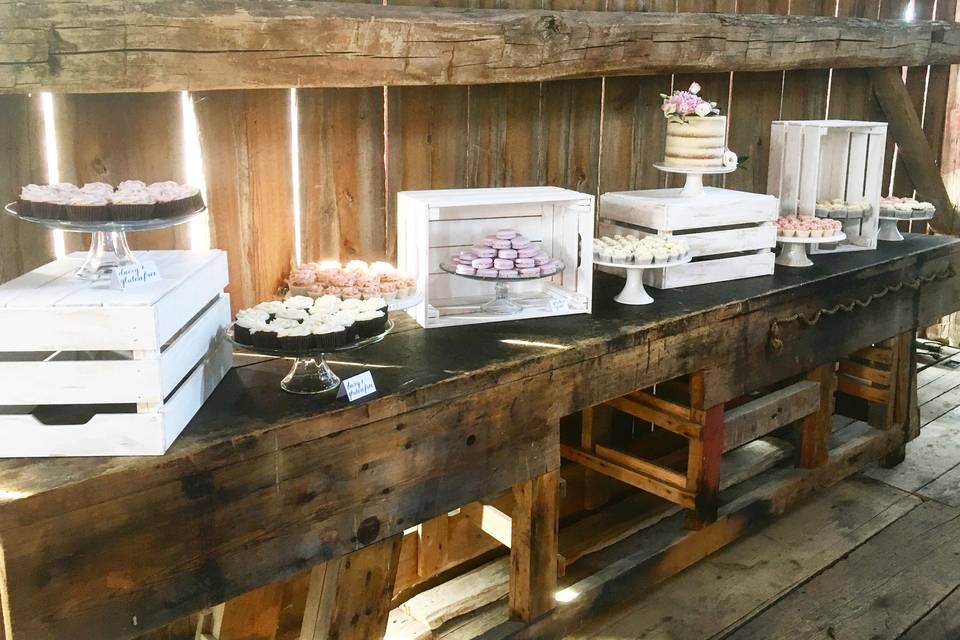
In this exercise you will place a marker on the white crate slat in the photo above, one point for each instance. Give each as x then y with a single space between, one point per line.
814 160
433 225
150 351
731 233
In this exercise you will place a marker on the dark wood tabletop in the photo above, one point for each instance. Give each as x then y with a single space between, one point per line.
263 483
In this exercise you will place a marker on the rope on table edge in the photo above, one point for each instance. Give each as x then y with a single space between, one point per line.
775 336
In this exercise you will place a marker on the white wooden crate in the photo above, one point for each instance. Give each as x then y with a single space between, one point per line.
814 160
731 233
120 372
433 225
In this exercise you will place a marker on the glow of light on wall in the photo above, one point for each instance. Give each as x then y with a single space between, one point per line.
193 167
910 12
53 159
295 171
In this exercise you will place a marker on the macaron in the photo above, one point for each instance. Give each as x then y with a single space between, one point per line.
502 263
509 273
468 255
488 241
487 273
486 253
525 263
501 243
527 252
541 260
509 254
466 270
506 234
481 263
530 272
547 269
520 242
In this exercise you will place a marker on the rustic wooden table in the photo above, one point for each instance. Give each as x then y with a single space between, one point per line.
263 484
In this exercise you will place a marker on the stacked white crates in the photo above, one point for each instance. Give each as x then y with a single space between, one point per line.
731 234
433 225
814 160
89 370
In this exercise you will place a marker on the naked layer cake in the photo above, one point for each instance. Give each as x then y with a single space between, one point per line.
696 132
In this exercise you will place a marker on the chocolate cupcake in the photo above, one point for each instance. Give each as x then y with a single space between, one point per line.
370 323
299 338
132 206
86 207
325 336
265 337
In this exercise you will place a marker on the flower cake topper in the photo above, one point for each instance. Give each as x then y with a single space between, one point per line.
680 105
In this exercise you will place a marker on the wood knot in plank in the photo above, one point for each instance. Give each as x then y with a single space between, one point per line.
368 530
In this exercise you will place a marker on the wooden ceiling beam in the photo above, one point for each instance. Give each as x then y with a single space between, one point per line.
165 45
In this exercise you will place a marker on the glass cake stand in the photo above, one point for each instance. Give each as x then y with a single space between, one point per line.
794 252
694 183
501 304
633 292
888 226
108 242
310 372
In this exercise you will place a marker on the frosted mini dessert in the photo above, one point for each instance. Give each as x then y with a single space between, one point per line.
628 249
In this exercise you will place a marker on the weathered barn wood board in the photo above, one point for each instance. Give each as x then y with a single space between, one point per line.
245 140
939 82
805 90
264 487
342 200
851 96
23 245
926 572
814 535
933 453
116 137
940 623
504 131
148 46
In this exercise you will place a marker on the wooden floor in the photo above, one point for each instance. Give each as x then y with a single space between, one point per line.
874 557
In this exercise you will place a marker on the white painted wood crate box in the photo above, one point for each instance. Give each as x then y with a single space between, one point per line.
731 233
433 225
88 370
814 160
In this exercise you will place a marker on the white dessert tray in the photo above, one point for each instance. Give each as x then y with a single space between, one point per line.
794 253
694 183
633 292
888 226
502 303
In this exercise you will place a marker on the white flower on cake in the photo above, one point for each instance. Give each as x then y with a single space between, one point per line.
703 109
694 88
729 158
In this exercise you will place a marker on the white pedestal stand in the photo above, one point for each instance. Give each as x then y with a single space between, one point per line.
794 253
888 227
633 292
693 186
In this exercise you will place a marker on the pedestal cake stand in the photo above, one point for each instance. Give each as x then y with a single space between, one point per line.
694 183
501 304
633 292
888 226
310 372
108 242
794 252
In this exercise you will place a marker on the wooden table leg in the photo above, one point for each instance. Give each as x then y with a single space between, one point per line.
703 469
814 447
349 597
533 550
597 428
899 414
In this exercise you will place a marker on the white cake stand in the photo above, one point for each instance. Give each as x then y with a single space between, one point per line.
888 226
694 184
794 253
633 292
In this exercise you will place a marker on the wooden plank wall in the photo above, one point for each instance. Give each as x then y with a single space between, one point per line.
358 147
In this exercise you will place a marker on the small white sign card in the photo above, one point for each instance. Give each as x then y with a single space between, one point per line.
131 276
357 386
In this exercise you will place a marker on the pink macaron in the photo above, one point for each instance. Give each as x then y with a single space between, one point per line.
506 234
502 263
525 263
481 263
520 242
468 255
501 244
509 273
547 269
486 253
487 273
466 270
530 272
541 260
509 254
488 241
527 252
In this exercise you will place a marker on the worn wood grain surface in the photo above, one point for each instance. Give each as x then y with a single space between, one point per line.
116 45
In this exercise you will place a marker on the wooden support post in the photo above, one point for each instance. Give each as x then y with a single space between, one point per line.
815 435
703 469
432 547
597 427
533 549
903 403
254 615
349 597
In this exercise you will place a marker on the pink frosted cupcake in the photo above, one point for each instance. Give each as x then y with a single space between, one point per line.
351 292
388 291
370 292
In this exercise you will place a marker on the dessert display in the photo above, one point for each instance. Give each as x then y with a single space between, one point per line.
304 324
840 209
807 227
643 251
354 281
99 202
505 254
905 208
696 132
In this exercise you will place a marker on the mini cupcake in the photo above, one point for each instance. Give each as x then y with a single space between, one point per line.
271 307
132 206
660 255
300 281
289 313
350 292
374 304
351 304
370 323
347 320
388 290
327 336
298 302
299 338
264 336
86 207
643 256
408 287
241 328
359 266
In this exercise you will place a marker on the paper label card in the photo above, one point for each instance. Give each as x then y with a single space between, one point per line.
357 387
131 276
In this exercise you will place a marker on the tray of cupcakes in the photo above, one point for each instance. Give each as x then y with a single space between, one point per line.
97 206
357 280
302 325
